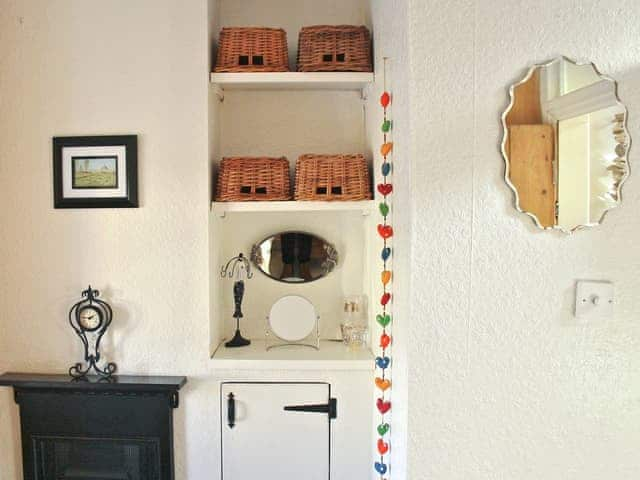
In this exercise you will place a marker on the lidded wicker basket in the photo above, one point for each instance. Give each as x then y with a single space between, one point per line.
334 48
332 177
252 49
253 178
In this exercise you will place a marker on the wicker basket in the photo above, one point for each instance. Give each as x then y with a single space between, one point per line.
253 178
340 48
332 177
252 49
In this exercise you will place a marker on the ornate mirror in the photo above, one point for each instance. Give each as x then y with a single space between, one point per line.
565 145
294 257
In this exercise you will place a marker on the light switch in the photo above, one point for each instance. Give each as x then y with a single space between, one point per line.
594 299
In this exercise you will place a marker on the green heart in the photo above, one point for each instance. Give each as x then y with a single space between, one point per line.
384 209
383 320
386 126
383 428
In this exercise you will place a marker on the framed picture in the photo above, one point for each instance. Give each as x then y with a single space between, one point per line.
95 172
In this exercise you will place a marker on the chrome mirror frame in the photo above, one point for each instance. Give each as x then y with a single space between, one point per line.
328 265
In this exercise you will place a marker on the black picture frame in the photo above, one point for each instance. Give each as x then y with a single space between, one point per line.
130 200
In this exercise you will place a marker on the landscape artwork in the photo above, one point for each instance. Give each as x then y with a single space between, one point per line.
94 172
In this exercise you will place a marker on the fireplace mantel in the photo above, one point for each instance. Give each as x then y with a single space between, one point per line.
124 384
96 428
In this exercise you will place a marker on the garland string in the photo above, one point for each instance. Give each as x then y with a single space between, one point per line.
385 230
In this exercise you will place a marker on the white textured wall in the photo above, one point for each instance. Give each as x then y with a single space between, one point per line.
504 382
92 67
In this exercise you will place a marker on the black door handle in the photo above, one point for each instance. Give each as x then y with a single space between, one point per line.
231 410
330 408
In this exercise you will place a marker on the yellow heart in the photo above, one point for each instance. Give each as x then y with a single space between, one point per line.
386 277
382 384
386 148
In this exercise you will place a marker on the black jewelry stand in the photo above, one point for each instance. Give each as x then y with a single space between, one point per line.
229 271
238 340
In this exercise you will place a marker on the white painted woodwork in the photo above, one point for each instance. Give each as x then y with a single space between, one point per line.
292 80
332 355
222 208
268 442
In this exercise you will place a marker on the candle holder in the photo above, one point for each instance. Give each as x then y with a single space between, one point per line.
237 269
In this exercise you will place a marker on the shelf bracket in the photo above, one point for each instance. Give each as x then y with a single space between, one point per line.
219 92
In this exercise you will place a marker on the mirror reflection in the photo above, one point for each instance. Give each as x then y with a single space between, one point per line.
294 257
565 144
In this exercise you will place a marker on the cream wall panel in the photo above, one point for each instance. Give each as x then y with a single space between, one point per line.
86 68
71 67
239 232
291 123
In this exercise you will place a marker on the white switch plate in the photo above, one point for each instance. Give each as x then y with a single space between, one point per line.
594 299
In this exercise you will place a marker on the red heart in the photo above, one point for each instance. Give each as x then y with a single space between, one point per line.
385 299
382 447
385 188
385 231
383 407
385 340
385 99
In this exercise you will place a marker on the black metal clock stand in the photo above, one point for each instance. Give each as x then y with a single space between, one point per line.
91 336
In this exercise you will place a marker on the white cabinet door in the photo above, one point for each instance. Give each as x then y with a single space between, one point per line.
262 440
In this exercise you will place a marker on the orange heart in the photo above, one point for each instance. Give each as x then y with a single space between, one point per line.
383 447
385 99
385 276
383 384
386 148
385 340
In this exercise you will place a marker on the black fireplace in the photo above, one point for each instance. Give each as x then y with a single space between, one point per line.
96 458
96 429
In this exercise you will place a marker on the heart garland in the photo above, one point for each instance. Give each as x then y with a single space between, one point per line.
384 318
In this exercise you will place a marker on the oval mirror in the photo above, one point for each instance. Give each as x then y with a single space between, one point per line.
565 144
294 257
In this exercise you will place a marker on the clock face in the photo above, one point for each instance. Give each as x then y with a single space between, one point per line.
90 318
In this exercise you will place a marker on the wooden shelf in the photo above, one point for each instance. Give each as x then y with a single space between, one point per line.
292 80
222 208
332 355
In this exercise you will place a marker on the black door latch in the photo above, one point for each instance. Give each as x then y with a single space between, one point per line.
330 408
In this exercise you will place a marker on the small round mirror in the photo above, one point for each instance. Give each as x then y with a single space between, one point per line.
293 318
294 257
